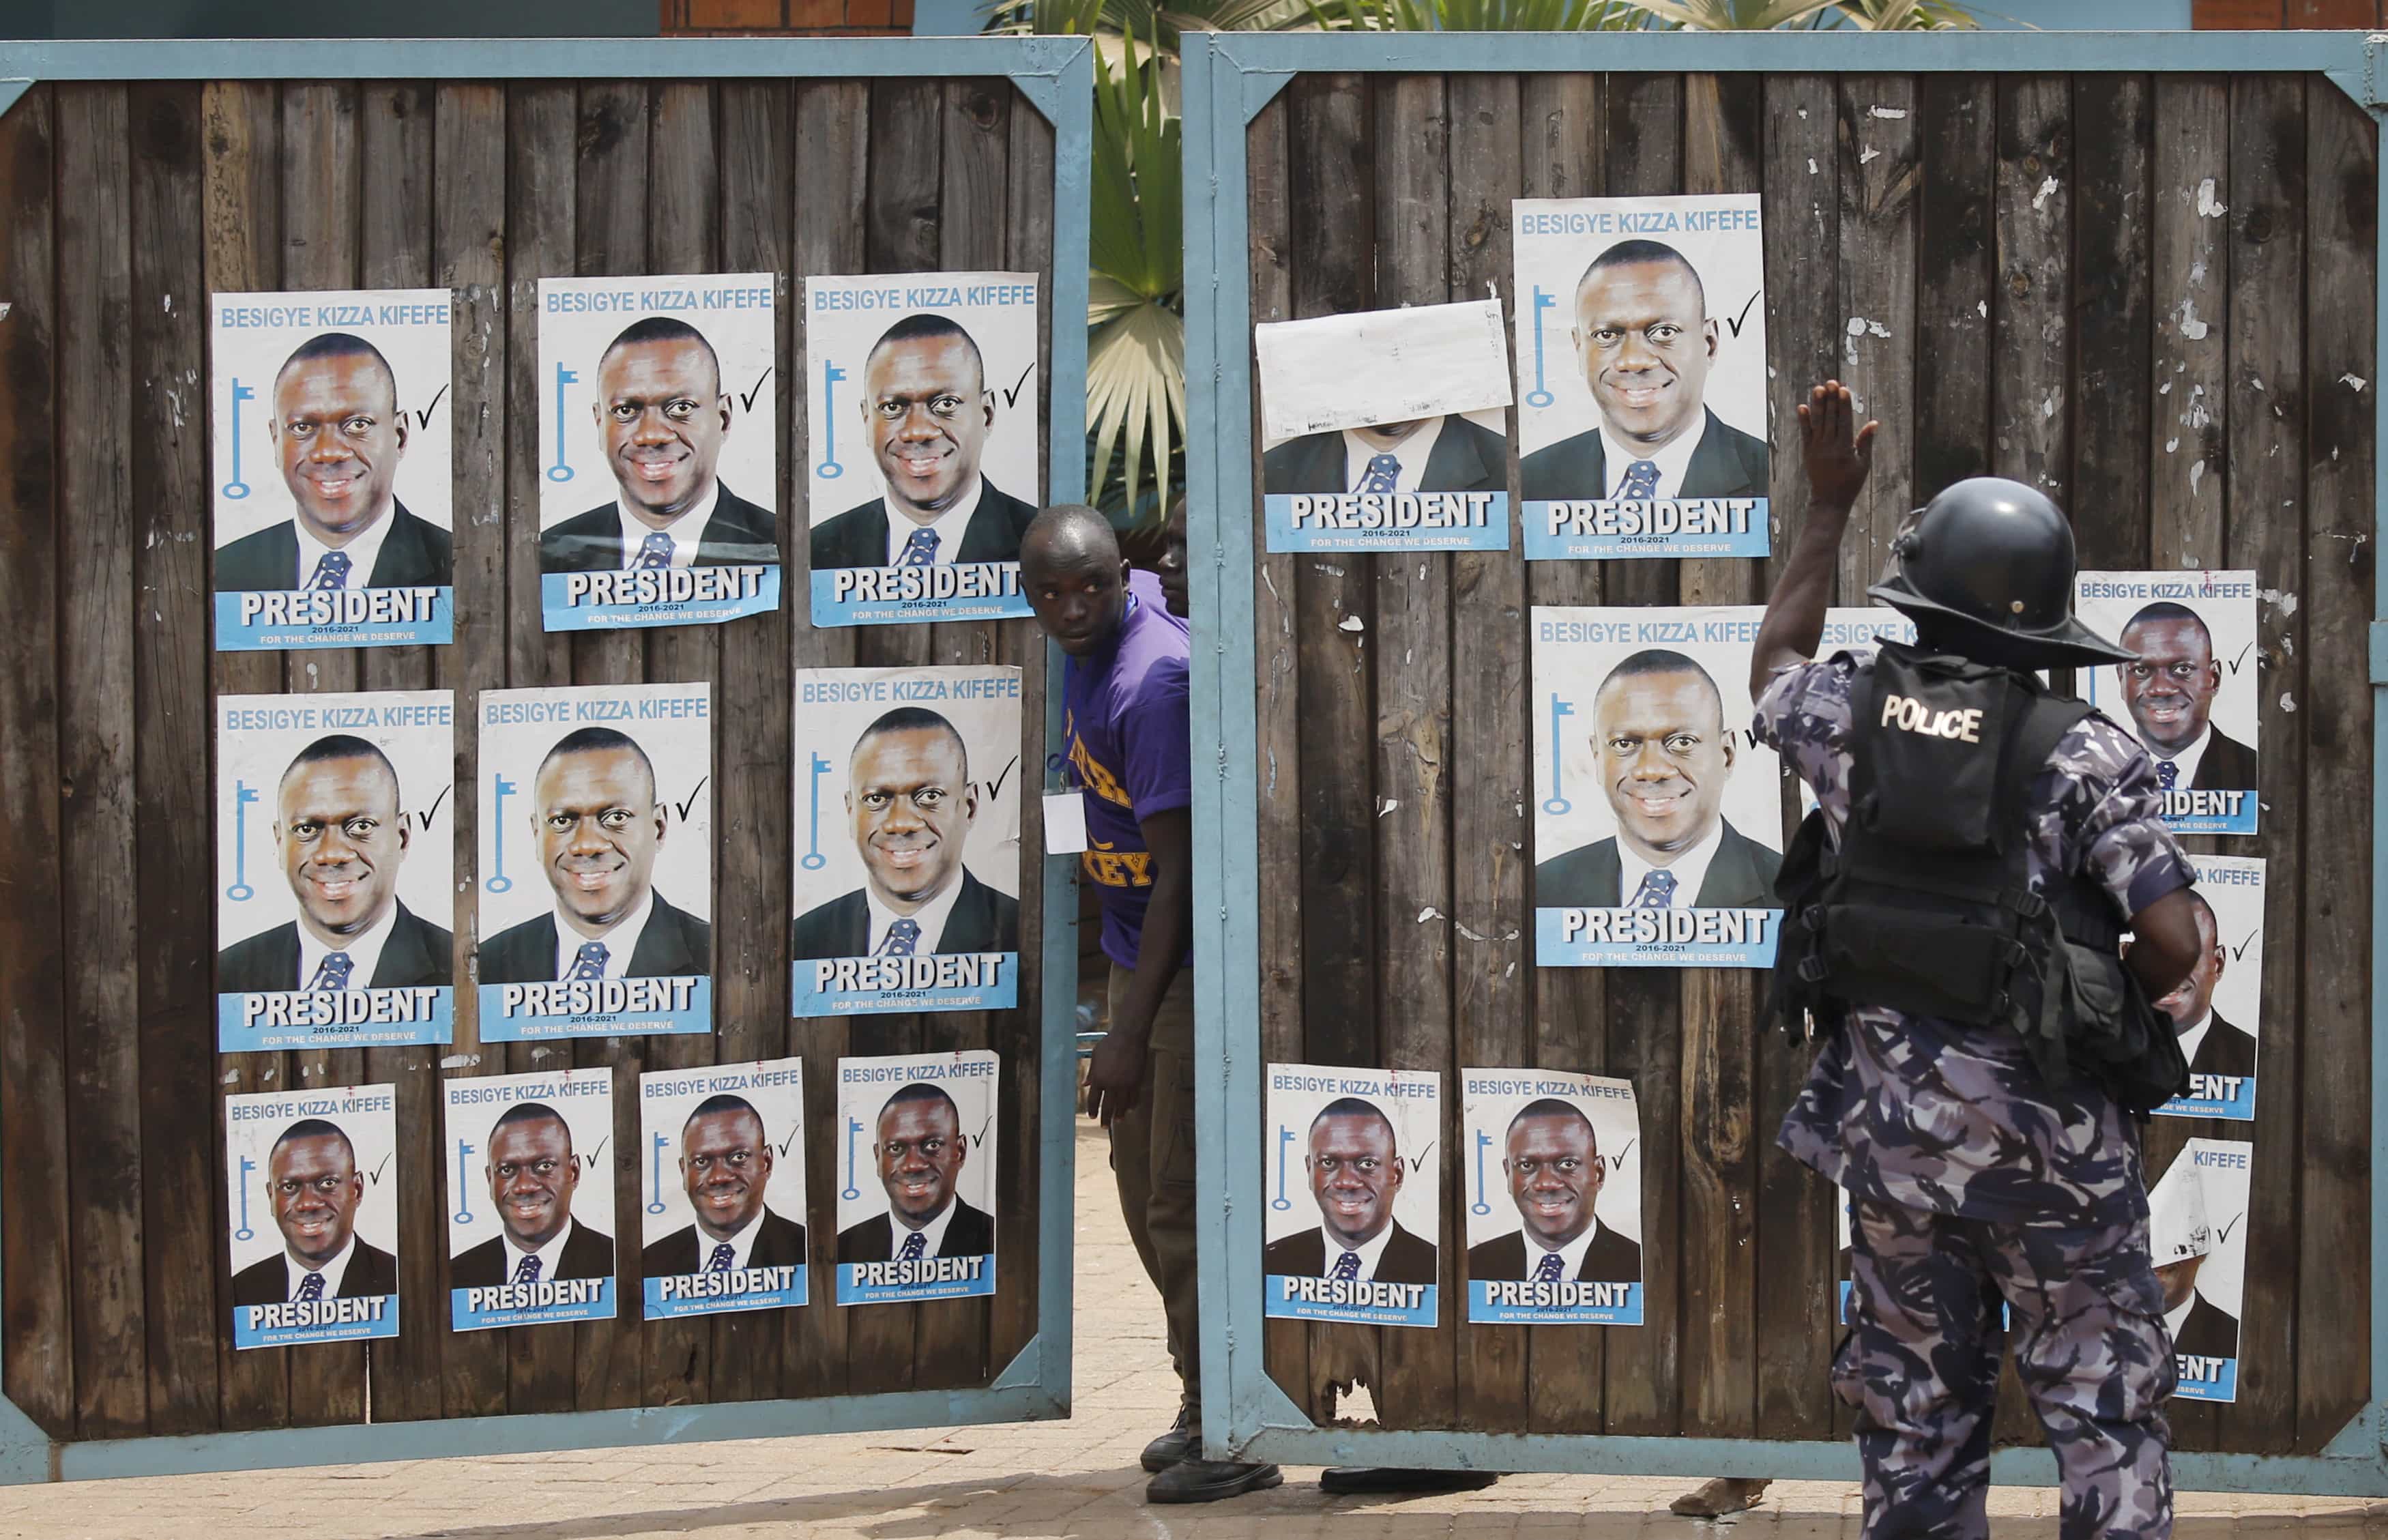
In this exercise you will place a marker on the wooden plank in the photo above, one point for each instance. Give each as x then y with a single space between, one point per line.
2265 529
832 178
2112 252
1333 233
1408 649
751 776
542 173
1276 749
173 863
2190 175
1645 153
683 234
1878 134
89 556
1796 1326
468 248
1019 1034
1951 433
1562 131
1491 971
43 1377
242 212
321 199
397 230
2333 1111
1723 117
611 188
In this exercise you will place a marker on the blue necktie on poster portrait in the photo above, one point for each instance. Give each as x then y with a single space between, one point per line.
1641 482
588 962
1657 891
1548 1270
1347 1268
310 1287
655 553
331 572
1382 473
902 936
331 973
721 1258
921 550
914 1245
527 1270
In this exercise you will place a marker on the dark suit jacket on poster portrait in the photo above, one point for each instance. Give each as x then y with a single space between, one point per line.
740 535
2207 1333
2228 765
1741 875
971 1233
1465 458
1610 1259
859 536
413 555
674 945
981 921
1406 1259
2225 1049
1728 463
371 1271
588 1253
778 1244
417 953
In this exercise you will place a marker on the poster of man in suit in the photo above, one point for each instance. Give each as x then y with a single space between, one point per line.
906 840
1351 1202
334 891
1384 431
329 420
2191 695
1551 1170
925 409
530 1172
722 1216
595 882
658 466
2197 1229
1642 423
311 1187
2218 1008
1658 820
916 1199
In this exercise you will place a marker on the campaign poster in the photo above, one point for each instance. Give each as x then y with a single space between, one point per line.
2191 696
906 840
1554 1187
923 408
1658 816
2197 1228
531 1176
596 862
916 1208
330 485
1351 1177
1385 430
722 1224
335 870
312 1181
658 501
2218 1008
1642 417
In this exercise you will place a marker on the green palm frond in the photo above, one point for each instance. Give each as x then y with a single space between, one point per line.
1135 346
1481 15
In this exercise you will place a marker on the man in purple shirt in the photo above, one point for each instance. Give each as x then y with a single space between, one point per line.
1126 734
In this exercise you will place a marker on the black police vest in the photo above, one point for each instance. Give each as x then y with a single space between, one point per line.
1926 905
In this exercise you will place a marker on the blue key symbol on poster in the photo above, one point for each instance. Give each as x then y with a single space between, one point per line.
243 793
1483 1142
1541 395
1284 1138
245 1232
829 469
852 1190
463 1184
235 488
1557 802
655 1175
499 882
561 470
813 859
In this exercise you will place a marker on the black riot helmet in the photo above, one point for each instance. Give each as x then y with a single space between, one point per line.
1986 570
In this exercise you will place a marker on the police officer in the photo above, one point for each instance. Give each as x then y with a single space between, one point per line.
1977 1105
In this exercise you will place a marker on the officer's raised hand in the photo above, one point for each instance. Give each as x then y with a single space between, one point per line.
1838 461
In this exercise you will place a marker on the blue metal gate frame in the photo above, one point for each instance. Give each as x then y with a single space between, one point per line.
1056 74
1228 78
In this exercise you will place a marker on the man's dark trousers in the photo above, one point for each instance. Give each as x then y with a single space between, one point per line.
1152 1159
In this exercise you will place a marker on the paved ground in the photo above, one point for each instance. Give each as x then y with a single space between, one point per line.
1038 1482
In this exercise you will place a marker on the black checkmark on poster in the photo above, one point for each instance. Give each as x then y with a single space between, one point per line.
2240 950
684 806
423 418
1736 322
2241 661
1012 397
746 401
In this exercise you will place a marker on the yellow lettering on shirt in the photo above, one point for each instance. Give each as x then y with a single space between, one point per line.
1116 868
1096 779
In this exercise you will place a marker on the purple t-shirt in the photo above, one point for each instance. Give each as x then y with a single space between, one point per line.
1127 735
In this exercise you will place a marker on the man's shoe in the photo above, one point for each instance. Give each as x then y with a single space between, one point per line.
1716 1498
1207 1481
1184 1438
1347 1479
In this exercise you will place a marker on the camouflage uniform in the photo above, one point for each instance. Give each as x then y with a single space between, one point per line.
1975 1179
